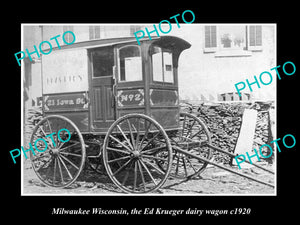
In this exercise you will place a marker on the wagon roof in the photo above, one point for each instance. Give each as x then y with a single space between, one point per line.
166 41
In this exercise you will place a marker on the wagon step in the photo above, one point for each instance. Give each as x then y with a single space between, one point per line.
220 166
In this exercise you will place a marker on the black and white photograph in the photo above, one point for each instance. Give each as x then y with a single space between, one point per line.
109 112
147 112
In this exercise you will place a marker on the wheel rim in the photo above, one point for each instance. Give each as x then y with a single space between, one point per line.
132 146
192 137
61 163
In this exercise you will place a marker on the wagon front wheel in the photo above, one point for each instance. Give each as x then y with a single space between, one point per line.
59 154
131 149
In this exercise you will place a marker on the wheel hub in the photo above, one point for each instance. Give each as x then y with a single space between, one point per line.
135 154
54 152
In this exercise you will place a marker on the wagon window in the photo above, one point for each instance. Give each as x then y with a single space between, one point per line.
130 62
103 62
162 65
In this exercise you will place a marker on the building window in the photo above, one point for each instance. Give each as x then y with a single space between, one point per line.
232 37
210 36
94 32
68 37
162 65
225 38
130 62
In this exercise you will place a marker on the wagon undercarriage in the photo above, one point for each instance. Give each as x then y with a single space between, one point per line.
137 153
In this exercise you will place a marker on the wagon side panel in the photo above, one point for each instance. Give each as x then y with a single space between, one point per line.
65 85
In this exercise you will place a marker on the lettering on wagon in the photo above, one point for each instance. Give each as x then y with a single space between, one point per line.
64 79
38 143
66 101
130 97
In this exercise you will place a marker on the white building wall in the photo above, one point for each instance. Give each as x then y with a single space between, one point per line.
208 74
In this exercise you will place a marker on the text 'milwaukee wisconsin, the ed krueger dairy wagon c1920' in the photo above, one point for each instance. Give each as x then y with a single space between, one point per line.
120 102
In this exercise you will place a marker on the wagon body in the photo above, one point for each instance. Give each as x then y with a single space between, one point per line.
94 83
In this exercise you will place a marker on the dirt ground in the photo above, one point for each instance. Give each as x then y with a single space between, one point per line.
213 181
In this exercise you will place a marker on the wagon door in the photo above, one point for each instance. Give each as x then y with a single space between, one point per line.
101 85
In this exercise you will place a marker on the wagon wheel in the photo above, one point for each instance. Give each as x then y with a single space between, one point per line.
192 137
131 147
60 158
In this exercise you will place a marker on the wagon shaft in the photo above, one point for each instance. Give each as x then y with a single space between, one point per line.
220 166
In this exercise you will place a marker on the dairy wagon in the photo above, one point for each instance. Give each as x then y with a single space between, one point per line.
120 102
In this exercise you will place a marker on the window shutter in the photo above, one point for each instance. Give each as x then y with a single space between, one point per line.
255 36
210 36
68 36
252 35
258 36
91 32
97 32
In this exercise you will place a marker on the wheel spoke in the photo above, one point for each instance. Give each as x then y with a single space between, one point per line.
147 170
177 165
145 135
66 168
130 130
49 126
154 167
60 171
118 159
122 167
66 159
126 139
135 175
117 140
118 150
184 166
44 164
42 156
152 139
152 150
125 177
189 161
54 172
138 134
142 175
72 154
70 146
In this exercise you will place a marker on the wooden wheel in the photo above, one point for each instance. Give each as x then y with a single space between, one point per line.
131 148
63 157
192 137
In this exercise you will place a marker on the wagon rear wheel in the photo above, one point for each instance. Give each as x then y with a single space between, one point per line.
60 158
131 148
192 136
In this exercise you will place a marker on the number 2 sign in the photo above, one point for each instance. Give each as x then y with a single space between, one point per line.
130 97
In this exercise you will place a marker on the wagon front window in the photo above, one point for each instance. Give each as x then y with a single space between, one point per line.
130 62
162 65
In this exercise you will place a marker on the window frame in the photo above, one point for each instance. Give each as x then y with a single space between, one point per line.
119 64
221 52
163 82
92 53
